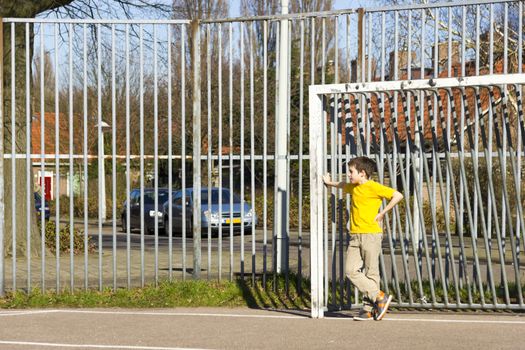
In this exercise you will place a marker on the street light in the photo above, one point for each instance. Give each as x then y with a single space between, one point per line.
101 167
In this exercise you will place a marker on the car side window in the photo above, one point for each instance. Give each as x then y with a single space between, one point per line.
178 201
134 197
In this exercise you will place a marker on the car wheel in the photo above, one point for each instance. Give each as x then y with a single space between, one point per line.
124 226
189 229
165 225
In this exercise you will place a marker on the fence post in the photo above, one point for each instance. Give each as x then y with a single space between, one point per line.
2 221
316 116
281 205
196 61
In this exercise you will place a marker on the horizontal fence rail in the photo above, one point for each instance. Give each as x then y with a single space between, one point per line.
107 116
455 241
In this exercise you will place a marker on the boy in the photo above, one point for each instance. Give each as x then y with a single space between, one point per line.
362 263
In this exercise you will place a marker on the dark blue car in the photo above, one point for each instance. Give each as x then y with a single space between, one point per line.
38 207
148 212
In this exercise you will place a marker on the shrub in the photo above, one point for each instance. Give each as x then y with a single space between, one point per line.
64 239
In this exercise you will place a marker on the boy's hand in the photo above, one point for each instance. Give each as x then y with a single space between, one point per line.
327 179
379 217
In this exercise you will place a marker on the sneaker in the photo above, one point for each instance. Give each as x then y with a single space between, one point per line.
364 315
382 304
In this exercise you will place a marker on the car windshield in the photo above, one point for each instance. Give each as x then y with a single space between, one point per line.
215 197
149 197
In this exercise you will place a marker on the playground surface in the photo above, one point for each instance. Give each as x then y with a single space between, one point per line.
243 328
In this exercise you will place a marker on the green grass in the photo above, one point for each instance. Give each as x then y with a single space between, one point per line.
279 293
171 294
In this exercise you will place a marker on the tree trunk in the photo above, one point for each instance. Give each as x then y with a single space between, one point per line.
17 186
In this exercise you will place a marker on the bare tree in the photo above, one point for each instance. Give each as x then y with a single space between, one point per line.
23 54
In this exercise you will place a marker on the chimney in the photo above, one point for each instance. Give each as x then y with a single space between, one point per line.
442 63
402 62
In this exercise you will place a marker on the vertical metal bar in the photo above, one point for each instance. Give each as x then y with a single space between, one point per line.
71 150
196 150
43 201
57 162
333 194
276 106
447 173
385 148
382 155
113 158
241 141
183 145
518 93
397 153
300 191
219 146
13 150
2 198
230 143
349 141
281 207
85 158
515 172
504 198
505 38
316 119
128 181
361 58
252 152
28 155
491 39
432 111
208 68
504 135
313 253
520 37
169 229
339 111
265 150
156 153
287 197
100 138
473 148
323 50
141 131
378 155
348 60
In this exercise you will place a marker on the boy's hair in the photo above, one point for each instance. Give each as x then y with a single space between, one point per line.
363 164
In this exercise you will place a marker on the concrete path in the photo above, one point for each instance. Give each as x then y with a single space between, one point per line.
242 328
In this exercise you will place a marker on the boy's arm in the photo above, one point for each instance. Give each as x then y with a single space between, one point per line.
396 198
327 179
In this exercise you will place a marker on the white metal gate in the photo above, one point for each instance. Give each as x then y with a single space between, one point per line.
457 131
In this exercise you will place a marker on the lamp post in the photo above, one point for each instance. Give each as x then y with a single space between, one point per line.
101 167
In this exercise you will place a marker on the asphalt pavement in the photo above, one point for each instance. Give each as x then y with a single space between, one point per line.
243 328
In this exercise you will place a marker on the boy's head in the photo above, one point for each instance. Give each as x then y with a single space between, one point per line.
360 168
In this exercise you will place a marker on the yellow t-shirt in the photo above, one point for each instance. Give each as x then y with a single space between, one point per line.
365 203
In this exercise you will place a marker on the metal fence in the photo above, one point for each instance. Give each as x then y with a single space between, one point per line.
140 101
455 243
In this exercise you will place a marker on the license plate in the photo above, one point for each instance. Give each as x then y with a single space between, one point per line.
235 221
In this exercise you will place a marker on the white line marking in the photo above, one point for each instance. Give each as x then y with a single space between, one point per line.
179 314
20 313
453 321
93 346
434 320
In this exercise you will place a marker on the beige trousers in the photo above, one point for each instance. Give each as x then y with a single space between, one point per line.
362 264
